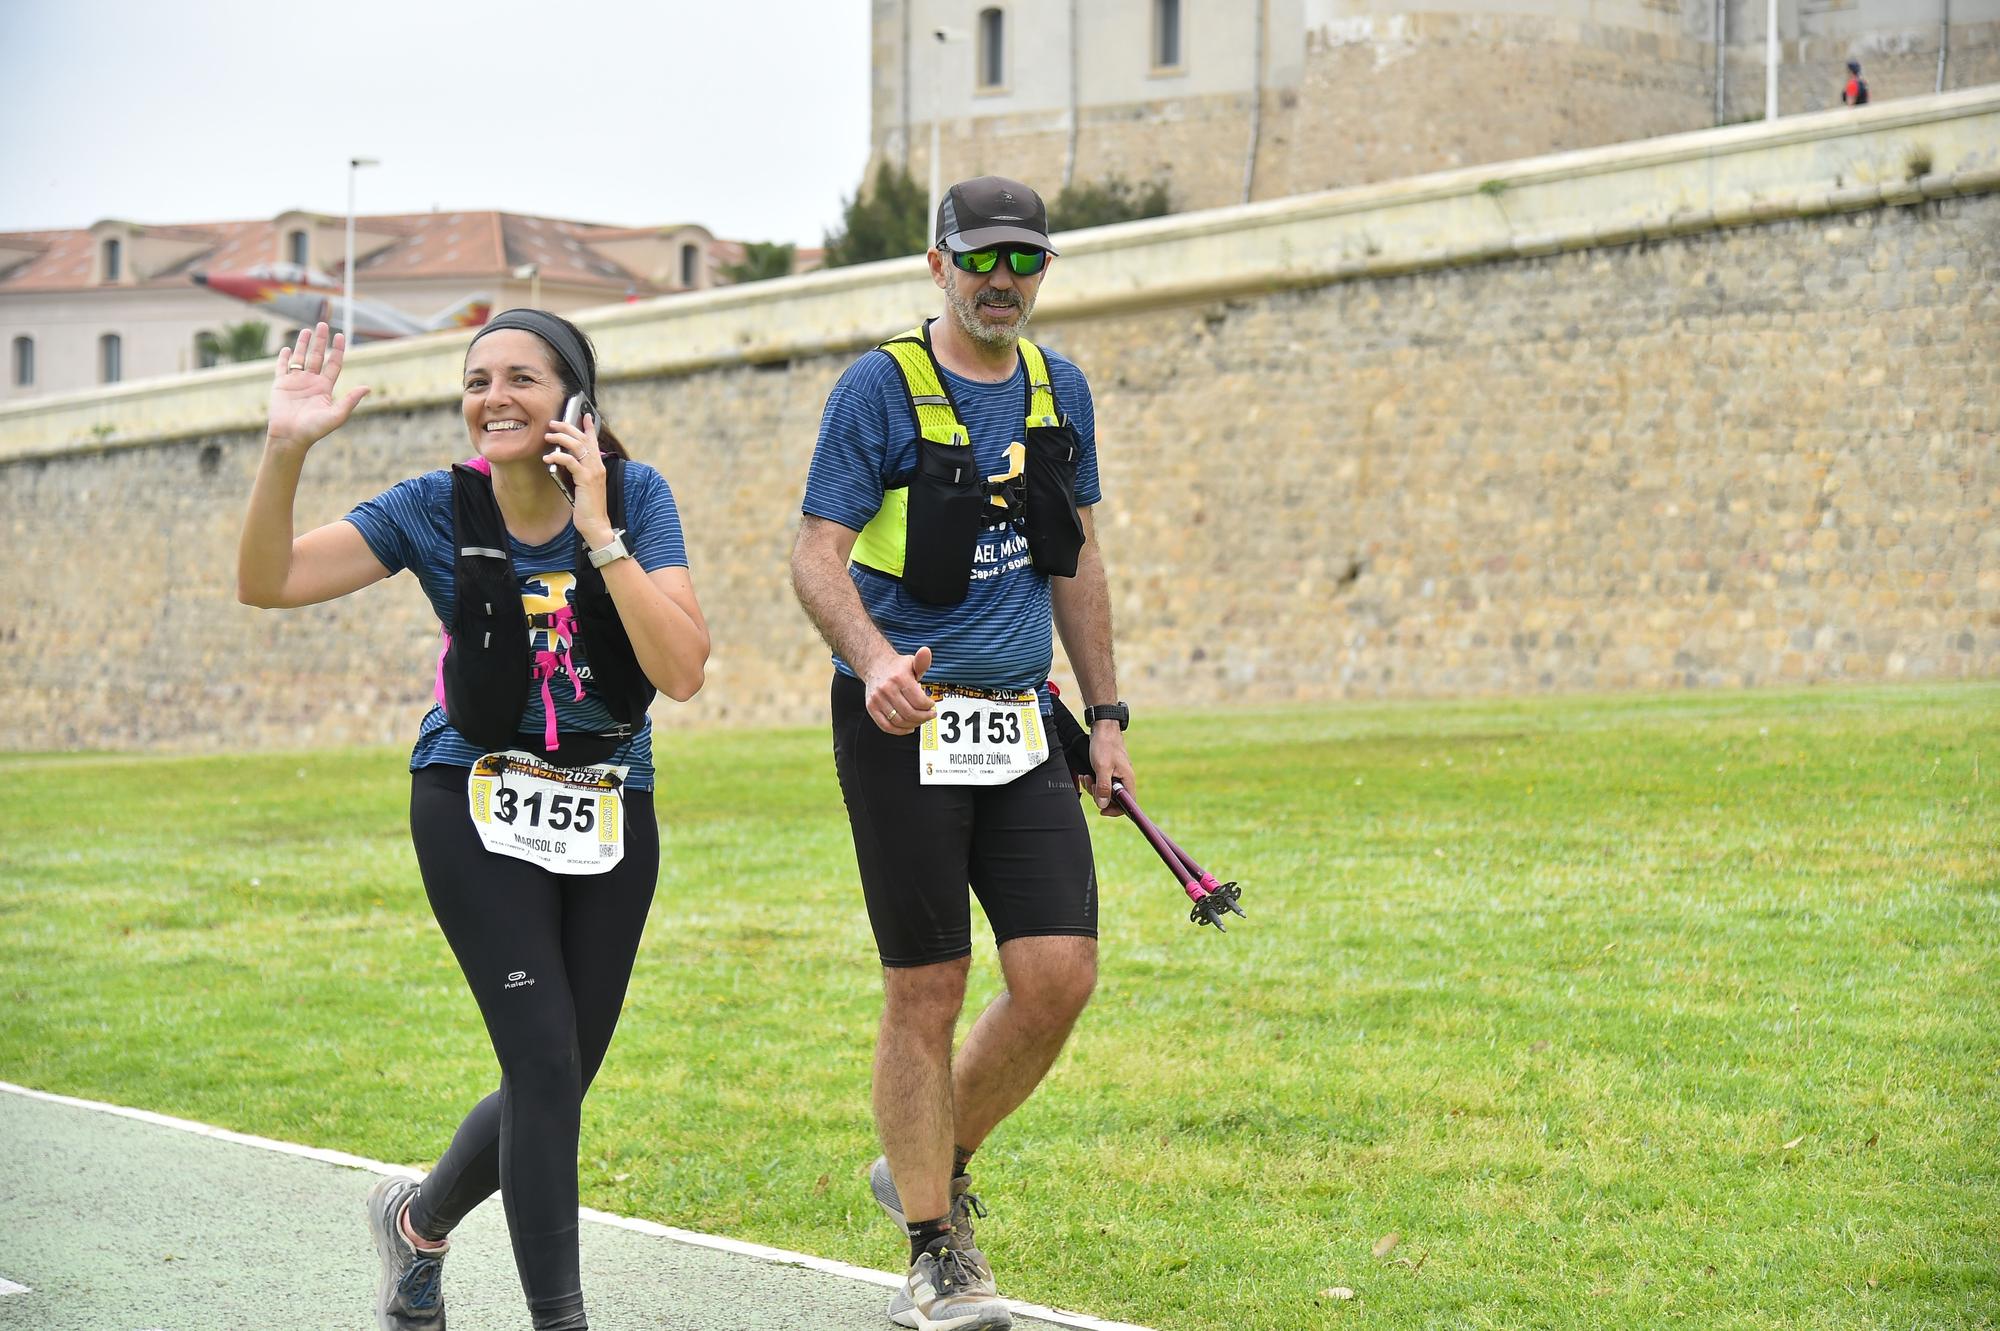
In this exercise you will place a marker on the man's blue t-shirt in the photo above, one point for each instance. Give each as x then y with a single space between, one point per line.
1001 635
409 526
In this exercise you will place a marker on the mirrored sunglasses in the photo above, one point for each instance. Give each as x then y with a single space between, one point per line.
1022 261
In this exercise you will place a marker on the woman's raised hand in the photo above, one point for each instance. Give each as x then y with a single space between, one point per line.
303 408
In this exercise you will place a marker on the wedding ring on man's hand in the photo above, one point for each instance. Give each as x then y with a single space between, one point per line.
298 365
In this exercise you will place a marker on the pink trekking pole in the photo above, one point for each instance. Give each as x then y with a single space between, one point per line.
1209 897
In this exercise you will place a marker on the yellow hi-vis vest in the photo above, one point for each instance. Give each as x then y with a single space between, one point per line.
882 543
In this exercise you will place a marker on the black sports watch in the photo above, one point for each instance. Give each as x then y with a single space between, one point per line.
1111 711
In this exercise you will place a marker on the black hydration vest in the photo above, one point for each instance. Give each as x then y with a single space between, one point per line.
930 519
484 674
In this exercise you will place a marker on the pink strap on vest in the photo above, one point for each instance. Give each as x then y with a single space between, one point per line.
480 465
438 688
563 631
545 669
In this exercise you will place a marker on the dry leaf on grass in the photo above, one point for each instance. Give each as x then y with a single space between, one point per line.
1387 1244
1793 1144
1340 1292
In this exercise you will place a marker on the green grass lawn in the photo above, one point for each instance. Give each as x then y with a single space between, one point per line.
1620 1012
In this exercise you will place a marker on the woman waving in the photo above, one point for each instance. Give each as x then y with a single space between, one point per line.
558 575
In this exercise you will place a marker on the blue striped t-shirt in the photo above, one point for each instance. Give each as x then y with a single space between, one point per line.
409 526
1000 636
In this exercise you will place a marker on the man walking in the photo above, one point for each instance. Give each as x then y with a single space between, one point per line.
1856 91
947 530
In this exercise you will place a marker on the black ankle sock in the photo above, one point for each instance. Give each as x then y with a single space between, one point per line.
960 1158
923 1233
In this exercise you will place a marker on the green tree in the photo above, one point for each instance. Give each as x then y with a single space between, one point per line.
1112 199
762 259
883 222
236 344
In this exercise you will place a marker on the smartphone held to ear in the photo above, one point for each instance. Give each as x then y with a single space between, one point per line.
572 415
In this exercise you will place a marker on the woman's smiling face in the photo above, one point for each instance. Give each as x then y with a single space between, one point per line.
512 392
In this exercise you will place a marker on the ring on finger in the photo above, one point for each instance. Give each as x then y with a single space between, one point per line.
298 365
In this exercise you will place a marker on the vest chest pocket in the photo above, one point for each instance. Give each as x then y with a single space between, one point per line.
1052 525
484 689
947 509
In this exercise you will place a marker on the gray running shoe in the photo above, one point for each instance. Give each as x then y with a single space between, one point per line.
946 1292
409 1296
964 1207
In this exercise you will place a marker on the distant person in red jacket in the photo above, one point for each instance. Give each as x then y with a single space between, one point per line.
1856 91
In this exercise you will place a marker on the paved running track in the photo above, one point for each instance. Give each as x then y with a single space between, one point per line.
111 1220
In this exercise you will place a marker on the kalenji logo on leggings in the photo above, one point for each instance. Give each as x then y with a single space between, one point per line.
518 980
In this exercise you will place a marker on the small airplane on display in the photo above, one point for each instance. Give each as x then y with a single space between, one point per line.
301 297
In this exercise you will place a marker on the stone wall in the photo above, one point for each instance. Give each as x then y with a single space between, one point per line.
1402 93
1434 91
1754 456
1714 412
1812 70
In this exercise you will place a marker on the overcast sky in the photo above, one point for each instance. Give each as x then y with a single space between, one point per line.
749 117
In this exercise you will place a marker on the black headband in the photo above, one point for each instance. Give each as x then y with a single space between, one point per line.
566 344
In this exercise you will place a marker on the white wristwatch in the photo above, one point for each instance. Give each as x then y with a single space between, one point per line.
610 553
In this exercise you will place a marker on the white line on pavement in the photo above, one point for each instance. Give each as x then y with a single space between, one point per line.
1081 1321
9 1287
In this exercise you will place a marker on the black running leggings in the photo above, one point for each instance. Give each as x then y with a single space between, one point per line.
547 956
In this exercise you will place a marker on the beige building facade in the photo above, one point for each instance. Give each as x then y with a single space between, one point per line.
1229 101
118 301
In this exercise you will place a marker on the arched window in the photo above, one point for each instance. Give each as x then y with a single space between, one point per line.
110 357
690 264
114 260
992 48
207 350
298 249
24 362
1166 34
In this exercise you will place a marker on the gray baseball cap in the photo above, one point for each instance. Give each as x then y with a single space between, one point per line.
992 210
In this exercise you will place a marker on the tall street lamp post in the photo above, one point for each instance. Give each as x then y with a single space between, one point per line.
944 37
354 164
1771 61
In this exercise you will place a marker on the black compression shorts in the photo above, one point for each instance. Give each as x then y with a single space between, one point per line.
1023 847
